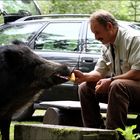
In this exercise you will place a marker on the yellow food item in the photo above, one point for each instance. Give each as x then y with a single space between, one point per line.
97 86
72 77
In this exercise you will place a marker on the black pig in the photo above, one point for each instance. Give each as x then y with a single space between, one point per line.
23 74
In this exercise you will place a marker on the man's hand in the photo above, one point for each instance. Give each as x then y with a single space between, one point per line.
92 76
79 76
102 85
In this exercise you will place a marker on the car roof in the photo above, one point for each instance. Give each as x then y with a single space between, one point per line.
68 18
53 17
50 18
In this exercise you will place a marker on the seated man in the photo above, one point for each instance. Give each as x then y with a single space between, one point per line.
121 60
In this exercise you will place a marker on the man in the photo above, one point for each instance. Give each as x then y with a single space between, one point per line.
120 60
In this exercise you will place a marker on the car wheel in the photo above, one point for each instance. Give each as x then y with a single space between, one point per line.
24 114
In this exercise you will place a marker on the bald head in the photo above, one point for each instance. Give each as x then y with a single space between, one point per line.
103 17
104 26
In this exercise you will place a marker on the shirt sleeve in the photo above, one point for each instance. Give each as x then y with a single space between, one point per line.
134 55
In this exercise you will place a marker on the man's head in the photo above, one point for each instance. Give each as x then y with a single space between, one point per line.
104 26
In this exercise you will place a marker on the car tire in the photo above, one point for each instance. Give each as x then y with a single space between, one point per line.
24 114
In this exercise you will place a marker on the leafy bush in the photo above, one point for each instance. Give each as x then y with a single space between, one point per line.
128 133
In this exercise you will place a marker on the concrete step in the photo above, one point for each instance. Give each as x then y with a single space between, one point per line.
58 132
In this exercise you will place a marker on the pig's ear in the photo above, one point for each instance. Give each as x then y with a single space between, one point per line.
18 42
13 57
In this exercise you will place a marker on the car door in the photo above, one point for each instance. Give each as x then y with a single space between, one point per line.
60 41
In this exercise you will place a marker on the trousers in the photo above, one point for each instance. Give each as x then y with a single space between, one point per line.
123 95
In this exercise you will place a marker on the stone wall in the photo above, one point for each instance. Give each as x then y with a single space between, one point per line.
58 132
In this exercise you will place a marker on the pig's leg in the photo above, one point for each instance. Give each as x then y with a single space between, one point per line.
5 128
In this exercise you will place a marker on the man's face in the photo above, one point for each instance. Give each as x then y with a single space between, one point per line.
103 34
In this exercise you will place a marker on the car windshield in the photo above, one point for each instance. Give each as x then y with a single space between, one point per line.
22 32
129 25
135 26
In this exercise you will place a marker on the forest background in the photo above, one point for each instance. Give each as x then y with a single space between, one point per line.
122 9
128 10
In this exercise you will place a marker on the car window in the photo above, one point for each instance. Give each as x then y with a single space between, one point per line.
93 45
135 26
21 32
59 37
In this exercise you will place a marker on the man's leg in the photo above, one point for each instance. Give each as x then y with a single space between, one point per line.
123 94
90 106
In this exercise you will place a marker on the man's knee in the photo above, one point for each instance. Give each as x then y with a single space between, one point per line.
82 87
118 89
87 86
117 84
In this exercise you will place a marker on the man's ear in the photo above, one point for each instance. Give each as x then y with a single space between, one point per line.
109 25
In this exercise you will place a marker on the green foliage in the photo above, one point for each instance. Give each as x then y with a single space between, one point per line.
128 133
121 9
1 19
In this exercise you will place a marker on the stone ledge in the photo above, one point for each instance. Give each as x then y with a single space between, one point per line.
57 132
